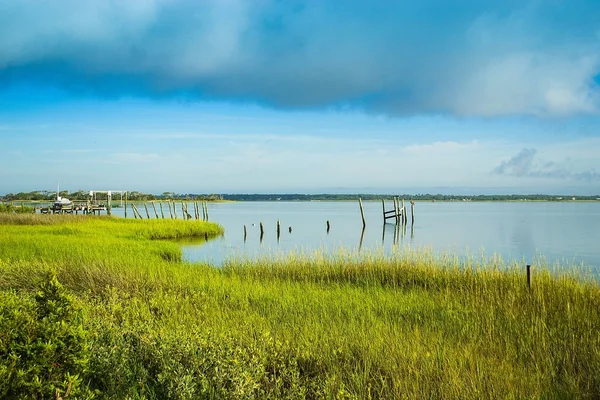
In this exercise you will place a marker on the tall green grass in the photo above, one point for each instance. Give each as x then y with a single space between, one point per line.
415 324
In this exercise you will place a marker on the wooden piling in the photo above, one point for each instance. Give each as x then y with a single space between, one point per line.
328 226
162 214
245 233
154 208
175 209
147 213
206 205
529 277
88 205
396 211
136 211
278 229
132 209
262 232
362 213
412 212
404 216
108 204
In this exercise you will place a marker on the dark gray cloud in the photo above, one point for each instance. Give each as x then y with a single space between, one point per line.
467 57
523 164
519 165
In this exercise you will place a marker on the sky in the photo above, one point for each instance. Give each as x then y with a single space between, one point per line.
322 96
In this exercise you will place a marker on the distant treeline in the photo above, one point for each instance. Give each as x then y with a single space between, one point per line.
429 197
42 195
45 195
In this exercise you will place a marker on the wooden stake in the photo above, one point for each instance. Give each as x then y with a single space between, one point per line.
125 205
147 213
154 208
262 232
329 226
412 212
362 213
162 214
278 229
245 232
529 277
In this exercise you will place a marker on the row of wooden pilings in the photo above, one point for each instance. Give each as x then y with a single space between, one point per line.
399 213
262 230
200 210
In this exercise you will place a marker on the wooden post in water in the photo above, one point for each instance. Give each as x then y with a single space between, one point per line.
147 213
109 204
412 213
396 212
196 210
136 211
328 226
262 232
383 206
162 214
154 208
404 216
362 213
529 277
132 209
206 210
170 212
245 233
175 210
278 229
125 205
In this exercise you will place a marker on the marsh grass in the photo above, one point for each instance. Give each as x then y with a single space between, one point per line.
415 324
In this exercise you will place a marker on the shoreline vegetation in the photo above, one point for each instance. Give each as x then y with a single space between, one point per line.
45 195
100 307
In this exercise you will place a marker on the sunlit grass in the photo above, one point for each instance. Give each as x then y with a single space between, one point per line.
413 324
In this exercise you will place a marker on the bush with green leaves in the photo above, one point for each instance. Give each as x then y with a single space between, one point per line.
44 350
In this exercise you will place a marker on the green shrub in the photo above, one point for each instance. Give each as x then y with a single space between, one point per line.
9 208
43 347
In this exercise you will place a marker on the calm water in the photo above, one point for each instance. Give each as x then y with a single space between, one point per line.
566 232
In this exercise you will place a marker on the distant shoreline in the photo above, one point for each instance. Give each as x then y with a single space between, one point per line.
43 196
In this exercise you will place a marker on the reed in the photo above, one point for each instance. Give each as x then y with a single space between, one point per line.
414 324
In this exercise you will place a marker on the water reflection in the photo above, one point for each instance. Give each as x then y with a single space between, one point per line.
516 230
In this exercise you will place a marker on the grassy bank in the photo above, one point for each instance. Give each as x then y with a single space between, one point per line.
105 308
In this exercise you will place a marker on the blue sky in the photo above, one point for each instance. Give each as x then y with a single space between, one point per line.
234 96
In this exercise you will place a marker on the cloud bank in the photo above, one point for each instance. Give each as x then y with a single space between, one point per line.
523 164
474 58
